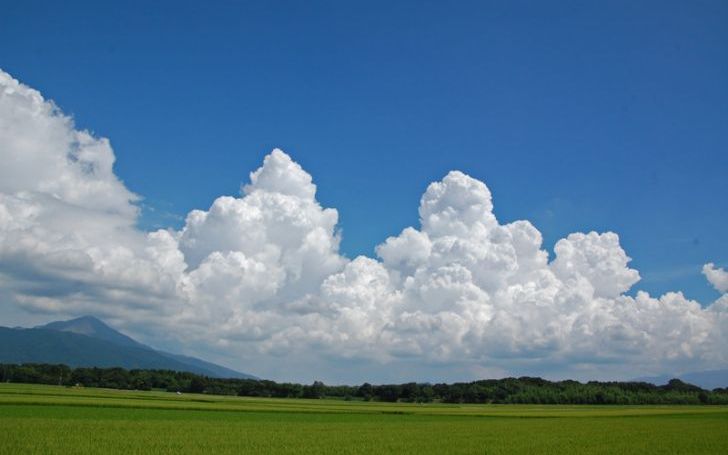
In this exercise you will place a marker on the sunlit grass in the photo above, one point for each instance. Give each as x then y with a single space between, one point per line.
48 419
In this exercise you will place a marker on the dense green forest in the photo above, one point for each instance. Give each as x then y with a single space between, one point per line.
525 390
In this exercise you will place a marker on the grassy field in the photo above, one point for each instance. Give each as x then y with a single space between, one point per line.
48 419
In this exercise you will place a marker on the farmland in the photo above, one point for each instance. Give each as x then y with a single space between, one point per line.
52 419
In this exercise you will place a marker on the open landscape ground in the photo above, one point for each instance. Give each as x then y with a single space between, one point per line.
51 419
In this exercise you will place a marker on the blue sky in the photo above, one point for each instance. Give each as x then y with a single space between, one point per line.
578 115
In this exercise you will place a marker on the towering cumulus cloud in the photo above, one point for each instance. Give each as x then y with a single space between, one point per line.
258 277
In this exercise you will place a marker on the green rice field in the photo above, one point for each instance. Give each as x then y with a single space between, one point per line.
49 419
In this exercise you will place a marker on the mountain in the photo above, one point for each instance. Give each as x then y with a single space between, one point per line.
216 371
657 380
708 380
53 346
89 342
94 328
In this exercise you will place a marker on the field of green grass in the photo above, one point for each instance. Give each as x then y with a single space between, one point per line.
49 419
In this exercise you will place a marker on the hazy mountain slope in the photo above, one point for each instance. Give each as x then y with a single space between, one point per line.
73 349
88 341
95 328
706 379
217 370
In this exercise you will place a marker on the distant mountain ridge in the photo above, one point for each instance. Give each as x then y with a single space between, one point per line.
708 380
89 342
94 328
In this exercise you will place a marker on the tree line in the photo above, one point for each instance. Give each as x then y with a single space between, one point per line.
525 390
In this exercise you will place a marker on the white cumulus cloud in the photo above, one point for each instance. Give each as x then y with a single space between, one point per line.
258 279
716 276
